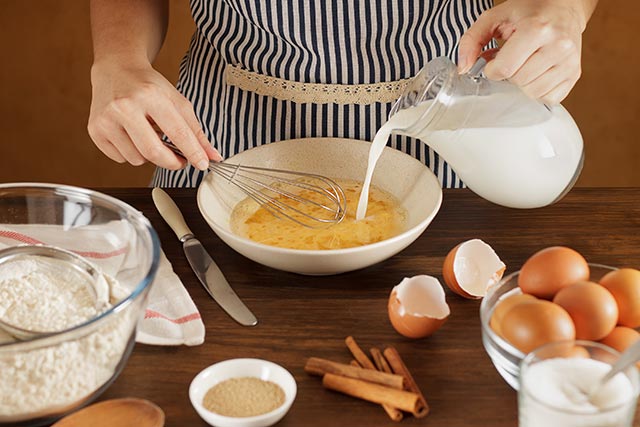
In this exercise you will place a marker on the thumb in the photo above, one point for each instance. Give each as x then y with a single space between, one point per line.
476 37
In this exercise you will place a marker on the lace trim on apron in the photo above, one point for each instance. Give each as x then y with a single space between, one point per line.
315 93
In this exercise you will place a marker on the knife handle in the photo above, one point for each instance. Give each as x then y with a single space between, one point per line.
171 213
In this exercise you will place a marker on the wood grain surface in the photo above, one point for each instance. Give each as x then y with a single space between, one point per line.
304 316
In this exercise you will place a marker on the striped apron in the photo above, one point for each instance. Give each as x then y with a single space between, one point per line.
260 71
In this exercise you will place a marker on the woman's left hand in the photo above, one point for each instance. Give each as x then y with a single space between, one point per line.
542 44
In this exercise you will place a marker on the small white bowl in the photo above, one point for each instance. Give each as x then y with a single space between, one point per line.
235 368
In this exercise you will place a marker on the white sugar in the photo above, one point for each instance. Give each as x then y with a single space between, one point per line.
552 394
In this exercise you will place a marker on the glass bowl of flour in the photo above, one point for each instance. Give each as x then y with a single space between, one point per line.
75 270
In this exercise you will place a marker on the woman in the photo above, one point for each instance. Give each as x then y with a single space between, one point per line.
262 71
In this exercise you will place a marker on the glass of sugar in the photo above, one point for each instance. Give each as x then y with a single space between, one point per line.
555 380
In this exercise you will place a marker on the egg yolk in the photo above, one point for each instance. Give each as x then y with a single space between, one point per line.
385 218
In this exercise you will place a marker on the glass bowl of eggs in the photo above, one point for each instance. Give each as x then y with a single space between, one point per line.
76 267
555 296
404 198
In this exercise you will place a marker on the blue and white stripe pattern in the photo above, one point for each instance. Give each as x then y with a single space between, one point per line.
313 41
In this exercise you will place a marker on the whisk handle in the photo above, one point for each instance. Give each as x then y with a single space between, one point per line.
171 213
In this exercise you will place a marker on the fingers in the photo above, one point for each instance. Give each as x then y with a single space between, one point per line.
212 153
123 133
108 149
175 126
543 60
476 37
491 23
149 144
128 102
513 54
545 65
557 94
531 52
186 109
547 81
541 49
113 141
121 141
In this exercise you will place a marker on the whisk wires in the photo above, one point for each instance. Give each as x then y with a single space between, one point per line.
308 199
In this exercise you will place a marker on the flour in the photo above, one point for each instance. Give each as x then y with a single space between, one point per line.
36 293
48 295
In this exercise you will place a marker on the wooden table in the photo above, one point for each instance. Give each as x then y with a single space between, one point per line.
310 316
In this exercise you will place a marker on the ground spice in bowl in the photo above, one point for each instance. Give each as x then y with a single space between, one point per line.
243 397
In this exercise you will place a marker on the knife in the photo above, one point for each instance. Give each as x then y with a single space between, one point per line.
201 263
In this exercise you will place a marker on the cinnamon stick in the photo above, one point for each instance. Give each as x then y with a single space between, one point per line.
397 365
379 360
355 363
317 366
381 364
363 360
358 354
404 400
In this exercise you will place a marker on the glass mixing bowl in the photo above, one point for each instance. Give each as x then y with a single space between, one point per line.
505 357
47 376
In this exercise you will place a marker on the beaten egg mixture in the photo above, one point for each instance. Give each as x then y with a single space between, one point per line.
385 218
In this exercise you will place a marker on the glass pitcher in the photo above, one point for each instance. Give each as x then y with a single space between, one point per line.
508 148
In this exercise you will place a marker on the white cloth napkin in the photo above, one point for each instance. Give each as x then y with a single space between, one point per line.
171 317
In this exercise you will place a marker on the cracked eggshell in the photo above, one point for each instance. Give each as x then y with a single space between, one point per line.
417 306
471 268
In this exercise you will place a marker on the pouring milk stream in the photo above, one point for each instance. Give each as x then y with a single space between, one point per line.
506 147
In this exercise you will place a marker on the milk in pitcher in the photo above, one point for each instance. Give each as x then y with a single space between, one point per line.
521 165
507 148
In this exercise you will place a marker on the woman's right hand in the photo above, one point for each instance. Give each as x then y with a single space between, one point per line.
132 105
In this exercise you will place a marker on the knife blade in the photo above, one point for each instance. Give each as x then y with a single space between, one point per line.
205 269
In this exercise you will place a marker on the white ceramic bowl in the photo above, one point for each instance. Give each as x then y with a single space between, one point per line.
408 179
234 368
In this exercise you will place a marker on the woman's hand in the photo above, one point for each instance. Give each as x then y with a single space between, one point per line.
132 104
542 44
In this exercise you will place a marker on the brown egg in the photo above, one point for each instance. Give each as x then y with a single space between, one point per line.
624 285
621 338
567 350
471 268
579 351
530 324
551 269
592 308
503 306
417 306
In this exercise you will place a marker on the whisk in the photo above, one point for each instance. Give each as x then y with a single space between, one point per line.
285 193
